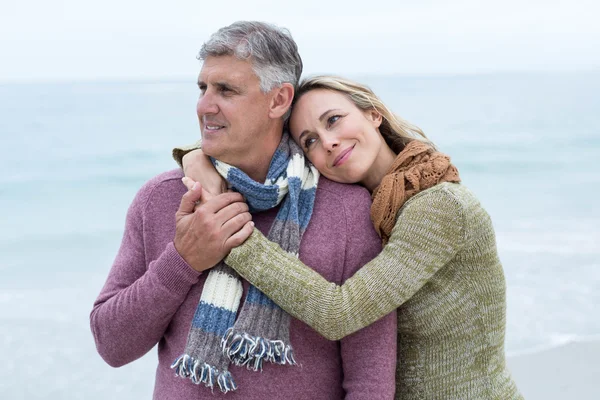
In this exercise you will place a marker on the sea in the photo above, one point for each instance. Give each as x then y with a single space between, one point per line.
73 156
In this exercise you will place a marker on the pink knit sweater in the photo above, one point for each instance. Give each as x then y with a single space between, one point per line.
151 294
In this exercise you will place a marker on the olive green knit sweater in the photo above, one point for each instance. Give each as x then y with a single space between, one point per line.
440 268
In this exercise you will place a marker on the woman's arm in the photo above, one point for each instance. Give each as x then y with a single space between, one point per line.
197 166
427 235
179 152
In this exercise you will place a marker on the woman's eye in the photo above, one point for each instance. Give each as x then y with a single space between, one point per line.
332 120
309 142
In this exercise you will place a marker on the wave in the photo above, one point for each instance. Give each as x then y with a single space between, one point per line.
555 341
576 236
69 237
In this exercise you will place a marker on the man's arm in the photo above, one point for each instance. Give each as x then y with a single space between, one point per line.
139 299
369 361
368 355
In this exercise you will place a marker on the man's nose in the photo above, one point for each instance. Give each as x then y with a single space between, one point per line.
206 104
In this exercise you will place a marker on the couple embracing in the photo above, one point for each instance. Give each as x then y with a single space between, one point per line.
318 247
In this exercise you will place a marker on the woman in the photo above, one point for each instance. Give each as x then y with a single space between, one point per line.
439 266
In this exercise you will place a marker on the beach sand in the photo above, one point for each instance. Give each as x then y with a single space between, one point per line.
571 371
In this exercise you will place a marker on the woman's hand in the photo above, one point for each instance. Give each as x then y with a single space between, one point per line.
198 167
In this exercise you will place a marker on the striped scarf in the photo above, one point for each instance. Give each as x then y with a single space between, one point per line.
261 331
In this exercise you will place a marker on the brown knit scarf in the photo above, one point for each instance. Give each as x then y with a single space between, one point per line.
416 168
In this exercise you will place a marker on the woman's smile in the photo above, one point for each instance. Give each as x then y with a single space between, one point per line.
343 156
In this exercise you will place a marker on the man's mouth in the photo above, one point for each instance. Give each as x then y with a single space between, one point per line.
212 128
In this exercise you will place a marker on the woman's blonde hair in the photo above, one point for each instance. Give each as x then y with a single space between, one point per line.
396 131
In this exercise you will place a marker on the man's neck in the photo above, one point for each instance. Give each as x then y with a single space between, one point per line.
257 173
257 167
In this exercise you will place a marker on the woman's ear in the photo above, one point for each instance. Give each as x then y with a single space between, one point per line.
281 100
375 117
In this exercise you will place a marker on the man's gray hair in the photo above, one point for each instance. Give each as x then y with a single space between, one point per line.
271 50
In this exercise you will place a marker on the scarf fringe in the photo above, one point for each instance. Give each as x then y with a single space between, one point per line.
198 372
243 349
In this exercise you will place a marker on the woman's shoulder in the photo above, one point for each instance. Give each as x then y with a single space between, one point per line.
456 194
445 192
448 202
445 201
438 214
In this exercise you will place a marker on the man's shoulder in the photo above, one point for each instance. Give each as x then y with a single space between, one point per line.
165 178
343 191
343 212
164 185
333 198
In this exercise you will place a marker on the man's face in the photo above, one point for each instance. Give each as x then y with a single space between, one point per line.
232 110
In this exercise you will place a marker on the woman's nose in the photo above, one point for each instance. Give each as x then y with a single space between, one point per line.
330 143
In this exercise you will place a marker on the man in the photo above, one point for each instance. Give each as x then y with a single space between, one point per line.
156 287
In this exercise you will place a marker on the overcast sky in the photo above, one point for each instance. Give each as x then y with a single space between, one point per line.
146 39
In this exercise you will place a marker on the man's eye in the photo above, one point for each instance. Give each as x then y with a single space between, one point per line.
202 88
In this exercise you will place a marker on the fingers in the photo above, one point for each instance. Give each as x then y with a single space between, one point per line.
240 236
231 217
189 199
230 211
206 233
206 195
221 201
235 223
188 182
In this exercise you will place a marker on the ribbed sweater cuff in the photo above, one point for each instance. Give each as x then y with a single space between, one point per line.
173 272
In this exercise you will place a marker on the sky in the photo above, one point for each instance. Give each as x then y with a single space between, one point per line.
74 40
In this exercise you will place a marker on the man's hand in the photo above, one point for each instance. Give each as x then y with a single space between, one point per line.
206 233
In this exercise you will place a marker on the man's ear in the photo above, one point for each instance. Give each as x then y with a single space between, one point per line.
281 100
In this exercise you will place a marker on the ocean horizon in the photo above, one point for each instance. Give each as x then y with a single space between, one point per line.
74 155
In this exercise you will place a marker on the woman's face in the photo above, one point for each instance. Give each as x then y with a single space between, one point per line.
341 140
